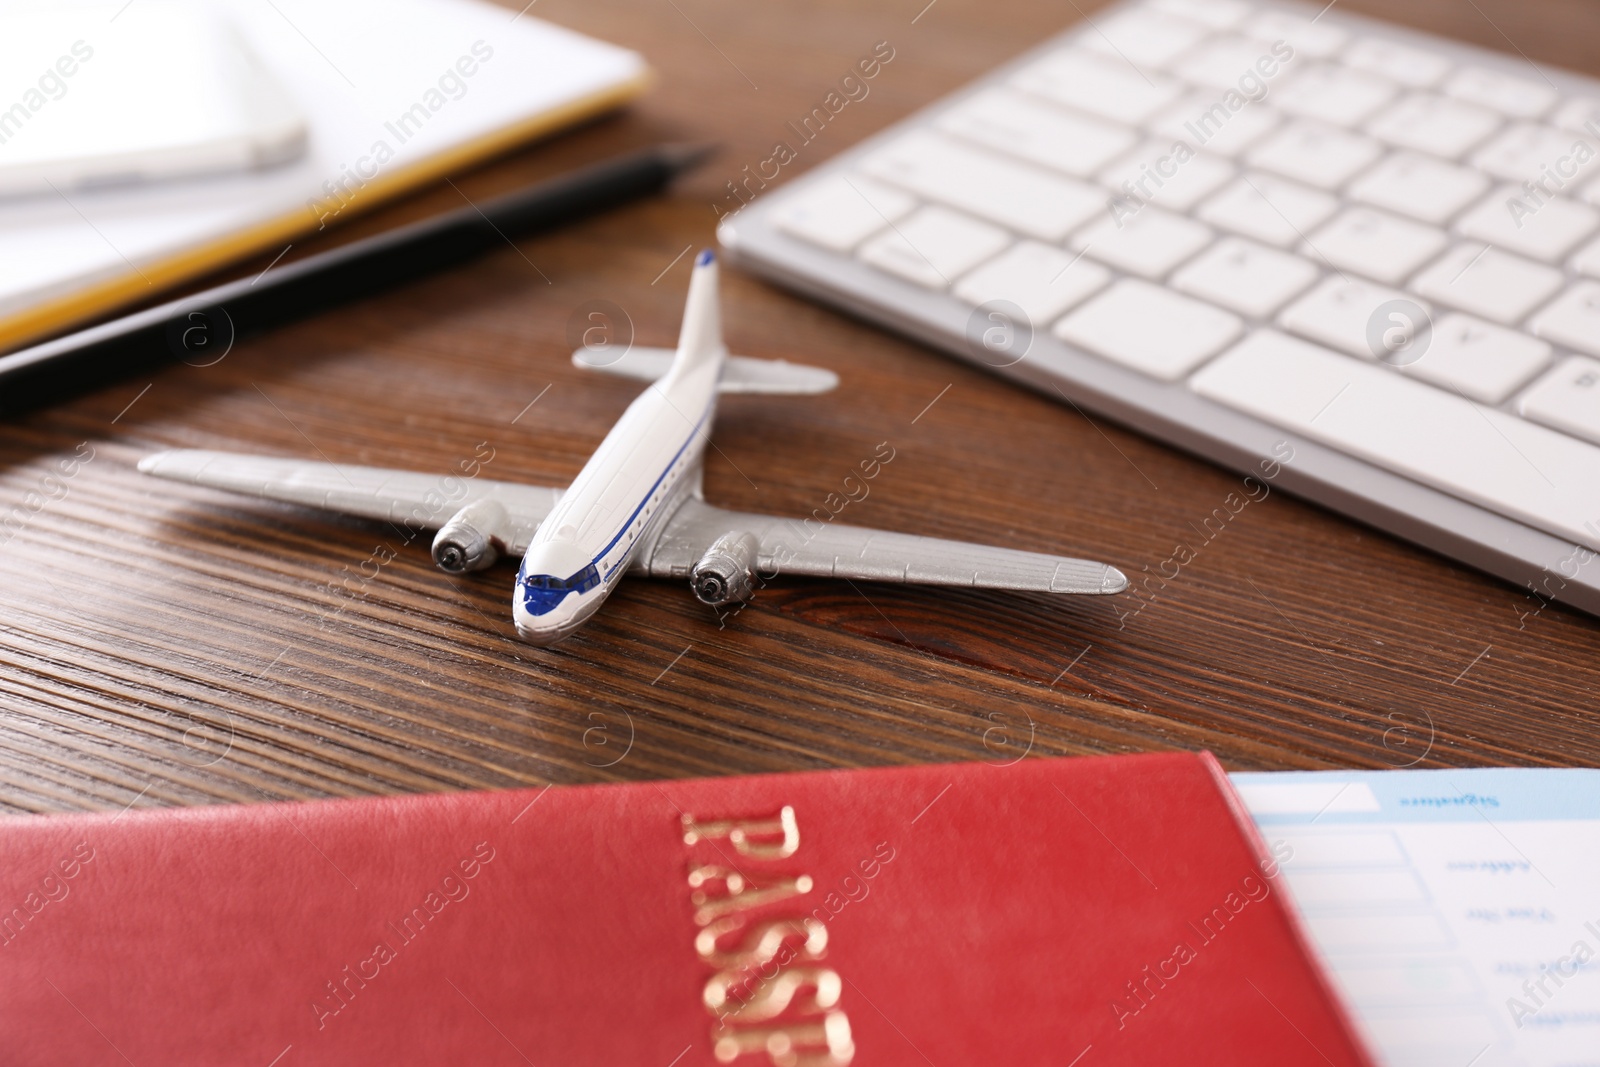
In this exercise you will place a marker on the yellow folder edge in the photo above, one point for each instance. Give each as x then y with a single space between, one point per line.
54 315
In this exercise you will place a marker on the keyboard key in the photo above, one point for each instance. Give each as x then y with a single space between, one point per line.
839 213
1577 114
1042 280
1591 193
1306 36
1149 329
1411 67
1338 313
1220 63
1482 361
1324 156
1153 172
1568 398
1245 277
1109 88
1573 319
1269 209
1509 218
1010 122
1419 186
1203 121
1217 14
1524 152
1338 95
1143 36
1148 244
1013 194
1587 261
1514 467
1374 243
1488 282
1518 97
1436 125
934 246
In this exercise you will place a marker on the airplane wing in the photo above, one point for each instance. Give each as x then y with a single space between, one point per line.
422 501
834 550
740 374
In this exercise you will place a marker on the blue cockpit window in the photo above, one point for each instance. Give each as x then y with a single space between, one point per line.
542 592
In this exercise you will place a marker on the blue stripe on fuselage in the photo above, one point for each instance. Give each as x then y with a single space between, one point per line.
551 603
654 486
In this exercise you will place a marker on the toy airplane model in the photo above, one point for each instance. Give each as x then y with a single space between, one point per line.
636 506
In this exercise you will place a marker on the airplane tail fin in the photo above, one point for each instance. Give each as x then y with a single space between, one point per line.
700 339
700 343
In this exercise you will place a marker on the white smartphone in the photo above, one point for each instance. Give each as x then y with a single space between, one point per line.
94 94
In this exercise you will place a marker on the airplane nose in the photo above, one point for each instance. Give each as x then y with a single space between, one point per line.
541 638
541 630
545 630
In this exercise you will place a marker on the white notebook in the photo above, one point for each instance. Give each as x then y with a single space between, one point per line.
394 93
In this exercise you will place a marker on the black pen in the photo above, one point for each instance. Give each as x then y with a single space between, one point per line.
201 327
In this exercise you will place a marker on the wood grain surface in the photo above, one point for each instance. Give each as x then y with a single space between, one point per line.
165 645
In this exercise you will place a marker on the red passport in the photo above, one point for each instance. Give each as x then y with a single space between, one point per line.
1076 913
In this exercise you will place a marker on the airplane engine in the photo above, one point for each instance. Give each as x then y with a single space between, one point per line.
466 542
726 574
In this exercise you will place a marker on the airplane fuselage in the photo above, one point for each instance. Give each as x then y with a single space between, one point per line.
631 484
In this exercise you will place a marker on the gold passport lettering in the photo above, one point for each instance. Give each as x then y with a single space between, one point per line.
745 897
699 876
812 1044
750 837
767 994
761 943
773 997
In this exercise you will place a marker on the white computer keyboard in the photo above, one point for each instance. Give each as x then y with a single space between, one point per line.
1256 230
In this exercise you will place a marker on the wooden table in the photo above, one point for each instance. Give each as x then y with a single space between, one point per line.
174 646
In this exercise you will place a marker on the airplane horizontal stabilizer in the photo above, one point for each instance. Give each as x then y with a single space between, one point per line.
740 374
